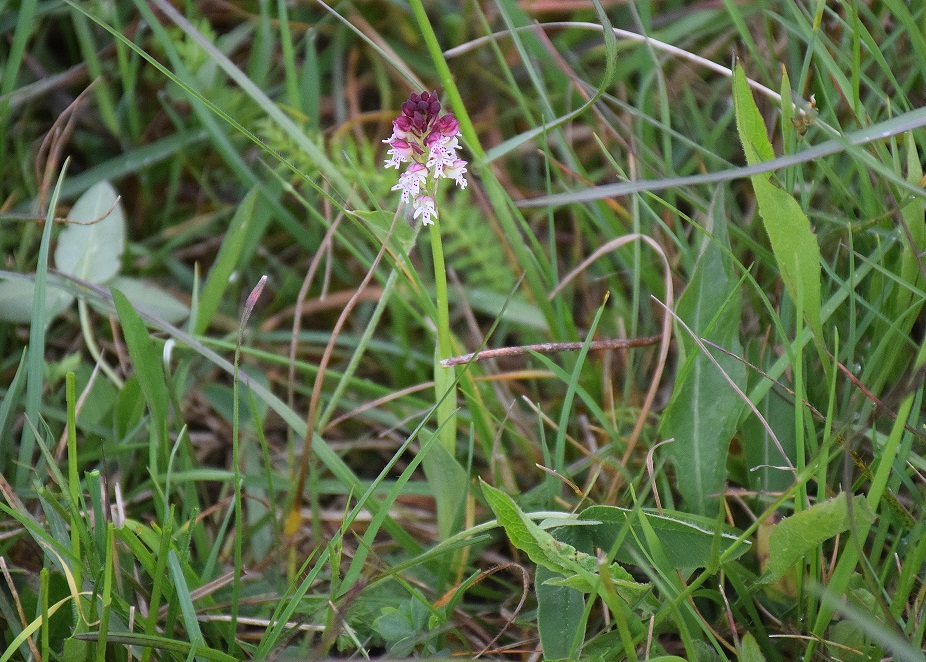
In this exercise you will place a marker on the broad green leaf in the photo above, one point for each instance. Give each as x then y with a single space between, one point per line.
448 479
793 242
704 410
795 536
580 569
688 541
147 295
91 245
561 610
17 299
905 304
560 615
760 453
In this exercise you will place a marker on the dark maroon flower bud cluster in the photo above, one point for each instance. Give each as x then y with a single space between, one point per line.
421 109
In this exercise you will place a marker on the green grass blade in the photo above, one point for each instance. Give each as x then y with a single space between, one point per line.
157 642
35 372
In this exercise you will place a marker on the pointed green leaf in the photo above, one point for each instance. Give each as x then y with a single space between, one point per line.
449 481
579 568
249 219
793 242
145 357
749 650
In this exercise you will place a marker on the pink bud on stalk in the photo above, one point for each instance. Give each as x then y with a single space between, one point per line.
252 299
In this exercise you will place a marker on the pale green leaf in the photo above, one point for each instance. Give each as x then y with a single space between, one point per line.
448 479
91 245
749 122
16 301
148 296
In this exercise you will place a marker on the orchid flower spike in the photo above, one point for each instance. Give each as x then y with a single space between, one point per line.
428 142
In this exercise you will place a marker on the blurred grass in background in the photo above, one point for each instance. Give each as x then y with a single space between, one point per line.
145 491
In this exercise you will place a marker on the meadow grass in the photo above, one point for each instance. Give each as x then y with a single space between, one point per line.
227 431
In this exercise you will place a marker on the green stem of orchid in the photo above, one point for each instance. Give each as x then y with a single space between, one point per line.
444 378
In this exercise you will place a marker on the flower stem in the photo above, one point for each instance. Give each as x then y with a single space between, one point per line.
444 378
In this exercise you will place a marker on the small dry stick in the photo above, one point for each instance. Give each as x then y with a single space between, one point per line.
550 348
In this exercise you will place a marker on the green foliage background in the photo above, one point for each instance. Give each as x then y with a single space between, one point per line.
747 483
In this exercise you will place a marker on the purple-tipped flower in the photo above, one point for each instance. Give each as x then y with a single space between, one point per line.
428 142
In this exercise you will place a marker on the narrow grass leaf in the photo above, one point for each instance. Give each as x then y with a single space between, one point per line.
35 366
803 532
168 645
29 630
182 594
11 399
905 303
559 446
793 242
287 606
